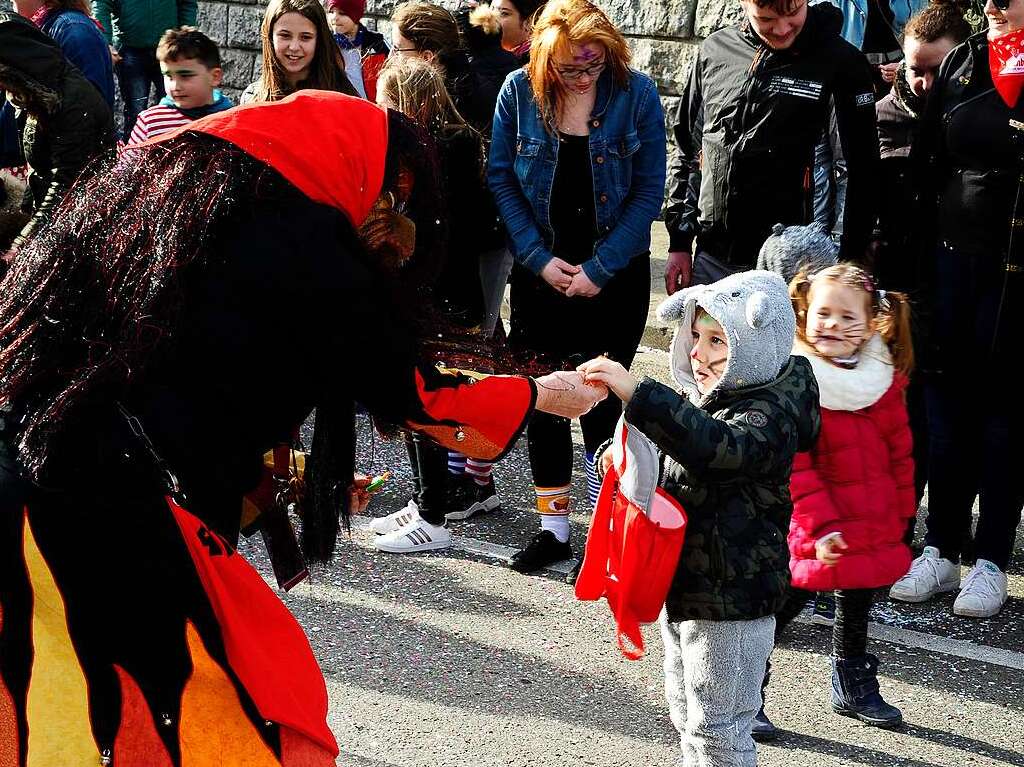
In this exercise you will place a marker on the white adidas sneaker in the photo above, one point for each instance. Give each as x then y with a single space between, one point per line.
416 535
984 591
396 519
929 575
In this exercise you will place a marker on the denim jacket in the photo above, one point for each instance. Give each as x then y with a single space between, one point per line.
627 154
855 17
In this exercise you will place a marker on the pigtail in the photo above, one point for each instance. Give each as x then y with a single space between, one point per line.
800 296
892 321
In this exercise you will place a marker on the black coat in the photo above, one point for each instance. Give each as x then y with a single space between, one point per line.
66 122
745 134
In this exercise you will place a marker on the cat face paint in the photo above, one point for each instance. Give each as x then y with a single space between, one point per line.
710 352
838 319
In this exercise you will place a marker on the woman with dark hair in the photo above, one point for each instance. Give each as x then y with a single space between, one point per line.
70 23
516 25
577 168
63 121
970 153
299 52
130 629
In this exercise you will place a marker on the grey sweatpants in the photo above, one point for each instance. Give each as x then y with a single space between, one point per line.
713 675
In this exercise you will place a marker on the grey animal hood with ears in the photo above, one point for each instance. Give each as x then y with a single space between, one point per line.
755 312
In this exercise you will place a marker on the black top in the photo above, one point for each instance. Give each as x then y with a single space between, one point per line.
573 217
878 35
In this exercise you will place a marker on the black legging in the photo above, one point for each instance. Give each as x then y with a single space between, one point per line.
850 632
571 331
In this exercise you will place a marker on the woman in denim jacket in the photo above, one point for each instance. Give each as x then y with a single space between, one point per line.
577 168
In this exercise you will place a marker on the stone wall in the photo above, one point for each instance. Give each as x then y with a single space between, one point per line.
662 33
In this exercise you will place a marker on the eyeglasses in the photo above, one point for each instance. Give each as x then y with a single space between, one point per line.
396 49
575 73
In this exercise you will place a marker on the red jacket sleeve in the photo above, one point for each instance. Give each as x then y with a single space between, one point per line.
894 424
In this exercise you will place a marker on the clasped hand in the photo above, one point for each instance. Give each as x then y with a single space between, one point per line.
568 279
606 372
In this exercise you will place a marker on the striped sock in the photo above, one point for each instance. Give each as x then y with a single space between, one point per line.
480 471
553 506
593 483
456 462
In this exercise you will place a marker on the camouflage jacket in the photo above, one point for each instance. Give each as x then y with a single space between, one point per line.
728 460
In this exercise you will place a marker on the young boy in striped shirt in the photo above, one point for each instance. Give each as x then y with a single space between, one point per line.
190 63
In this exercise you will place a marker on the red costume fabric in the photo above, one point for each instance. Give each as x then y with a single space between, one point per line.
859 481
333 149
1006 63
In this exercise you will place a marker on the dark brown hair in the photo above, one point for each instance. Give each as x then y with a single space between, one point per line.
188 43
889 311
938 20
429 27
327 70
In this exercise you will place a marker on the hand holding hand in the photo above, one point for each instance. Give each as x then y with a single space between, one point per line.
582 285
678 271
558 274
358 498
830 549
566 394
604 371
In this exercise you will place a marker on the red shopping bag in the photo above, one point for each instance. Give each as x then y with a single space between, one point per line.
634 542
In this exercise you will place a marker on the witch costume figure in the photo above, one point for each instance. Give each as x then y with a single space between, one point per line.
184 310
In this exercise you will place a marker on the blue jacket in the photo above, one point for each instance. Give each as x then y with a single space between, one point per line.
84 46
627 153
855 17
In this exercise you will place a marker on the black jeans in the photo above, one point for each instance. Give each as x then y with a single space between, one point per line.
429 463
136 74
975 447
850 632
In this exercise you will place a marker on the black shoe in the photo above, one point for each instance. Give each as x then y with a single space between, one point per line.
855 692
574 573
469 498
543 549
824 612
762 730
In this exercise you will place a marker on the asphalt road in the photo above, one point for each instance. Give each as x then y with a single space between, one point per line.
451 659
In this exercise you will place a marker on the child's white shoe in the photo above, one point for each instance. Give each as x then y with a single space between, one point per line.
396 519
929 574
984 591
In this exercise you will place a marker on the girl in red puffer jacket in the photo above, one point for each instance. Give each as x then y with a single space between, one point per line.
853 493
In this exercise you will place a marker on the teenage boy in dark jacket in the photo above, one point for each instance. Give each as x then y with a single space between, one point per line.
759 98
747 407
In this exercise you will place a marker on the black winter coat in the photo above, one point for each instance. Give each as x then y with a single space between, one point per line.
728 461
65 122
745 134
490 65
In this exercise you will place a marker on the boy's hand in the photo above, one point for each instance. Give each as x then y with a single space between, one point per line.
610 373
830 549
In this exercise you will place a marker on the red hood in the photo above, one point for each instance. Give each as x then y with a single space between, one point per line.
330 146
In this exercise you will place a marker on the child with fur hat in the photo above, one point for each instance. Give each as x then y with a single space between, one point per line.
853 492
729 439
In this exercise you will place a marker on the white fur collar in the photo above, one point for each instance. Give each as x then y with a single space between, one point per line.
854 388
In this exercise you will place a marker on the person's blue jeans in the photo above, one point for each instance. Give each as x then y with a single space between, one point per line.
138 71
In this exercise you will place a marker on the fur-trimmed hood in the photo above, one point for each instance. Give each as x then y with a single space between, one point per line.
756 314
852 389
31 62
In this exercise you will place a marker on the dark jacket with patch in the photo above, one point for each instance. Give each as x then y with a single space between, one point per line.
729 463
745 134
67 124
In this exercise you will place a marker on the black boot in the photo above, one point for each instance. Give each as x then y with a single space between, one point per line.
855 692
762 730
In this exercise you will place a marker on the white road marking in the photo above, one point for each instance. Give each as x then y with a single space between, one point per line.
960 648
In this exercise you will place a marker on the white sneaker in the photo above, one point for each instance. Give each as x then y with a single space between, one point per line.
928 575
396 519
414 536
983 593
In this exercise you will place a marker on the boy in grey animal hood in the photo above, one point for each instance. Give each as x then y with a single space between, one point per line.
746 408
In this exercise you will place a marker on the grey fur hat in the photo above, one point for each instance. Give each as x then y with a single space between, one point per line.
789 249
756 314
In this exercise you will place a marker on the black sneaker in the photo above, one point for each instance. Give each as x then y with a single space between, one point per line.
543 549
574 574
824 612
471 498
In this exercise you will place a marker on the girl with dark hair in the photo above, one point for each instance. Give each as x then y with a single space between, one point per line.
298 52
150 309
516 25
577 168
